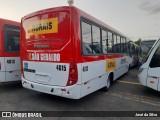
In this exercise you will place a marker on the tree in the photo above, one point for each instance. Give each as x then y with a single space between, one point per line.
138 42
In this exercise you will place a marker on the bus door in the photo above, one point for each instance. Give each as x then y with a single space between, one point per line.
153 79
11 56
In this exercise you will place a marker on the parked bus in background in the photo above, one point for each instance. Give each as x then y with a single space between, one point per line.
149 72
130 49
9 51
67 52
134 52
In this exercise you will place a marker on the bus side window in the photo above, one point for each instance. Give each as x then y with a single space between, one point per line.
110 42
155 61
126 46
86 39
114 47
104 42
122 45
86 49
96 46
118 47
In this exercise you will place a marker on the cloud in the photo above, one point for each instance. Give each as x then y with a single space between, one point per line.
150 7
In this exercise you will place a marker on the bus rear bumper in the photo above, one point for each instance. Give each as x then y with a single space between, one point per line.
72 92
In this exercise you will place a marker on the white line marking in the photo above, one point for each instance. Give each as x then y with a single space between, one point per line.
134 83
138 98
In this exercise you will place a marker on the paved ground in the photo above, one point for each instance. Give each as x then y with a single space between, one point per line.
126 94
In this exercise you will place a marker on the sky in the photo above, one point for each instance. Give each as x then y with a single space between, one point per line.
134 18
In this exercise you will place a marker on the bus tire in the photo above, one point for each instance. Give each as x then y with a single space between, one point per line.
108 84
128 69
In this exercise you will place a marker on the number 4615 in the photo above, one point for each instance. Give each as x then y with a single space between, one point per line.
61 67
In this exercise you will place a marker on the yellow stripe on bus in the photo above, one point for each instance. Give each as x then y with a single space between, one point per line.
43 26
110 65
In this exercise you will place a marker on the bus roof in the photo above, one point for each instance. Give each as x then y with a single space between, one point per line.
80 12
5 21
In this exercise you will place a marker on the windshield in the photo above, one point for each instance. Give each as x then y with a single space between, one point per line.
146 58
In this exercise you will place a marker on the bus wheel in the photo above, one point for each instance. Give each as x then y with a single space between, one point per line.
108 84
128 69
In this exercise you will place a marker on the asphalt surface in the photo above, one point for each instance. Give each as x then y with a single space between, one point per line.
126 94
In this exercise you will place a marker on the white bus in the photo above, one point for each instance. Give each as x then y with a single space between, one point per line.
9 51
132 50
149 72
71 56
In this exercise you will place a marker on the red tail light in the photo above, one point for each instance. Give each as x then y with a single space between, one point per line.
22 70
73 74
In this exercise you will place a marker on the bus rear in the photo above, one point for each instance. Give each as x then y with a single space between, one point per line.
9 51
47 54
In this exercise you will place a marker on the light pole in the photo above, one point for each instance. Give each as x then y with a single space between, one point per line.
70 2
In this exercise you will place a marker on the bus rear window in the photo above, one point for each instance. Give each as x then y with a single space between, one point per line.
11 38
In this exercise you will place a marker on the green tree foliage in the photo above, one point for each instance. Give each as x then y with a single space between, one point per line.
138 42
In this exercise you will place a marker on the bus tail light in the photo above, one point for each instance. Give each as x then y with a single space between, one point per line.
22 70
73 74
